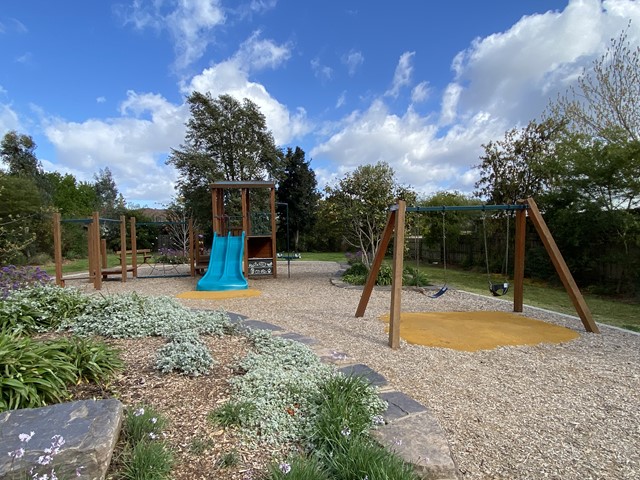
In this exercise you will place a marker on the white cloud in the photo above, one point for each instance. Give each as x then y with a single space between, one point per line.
323 72
18 26
497 82
411 144
191 24
231 77
420 92
402 75
260 6
133 146
25 58
256 54
450 99
8 118
513 73
353 60
500 81
101 99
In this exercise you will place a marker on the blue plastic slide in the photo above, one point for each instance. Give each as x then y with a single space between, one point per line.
225 265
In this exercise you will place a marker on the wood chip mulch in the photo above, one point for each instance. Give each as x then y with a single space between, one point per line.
201 449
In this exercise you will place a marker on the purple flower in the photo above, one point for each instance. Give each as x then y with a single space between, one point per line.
24 437
19 453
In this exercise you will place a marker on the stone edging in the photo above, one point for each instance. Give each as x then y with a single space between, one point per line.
410 429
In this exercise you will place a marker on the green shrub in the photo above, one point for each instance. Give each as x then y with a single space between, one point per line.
37 373
34 374
233 413
414 277
281 380
94 360
385 275
346 408
40 308
361 458
146 457
357 274
143 422
298 467
147 460
228 459
41 258
357 268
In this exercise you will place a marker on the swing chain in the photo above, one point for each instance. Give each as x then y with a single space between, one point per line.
444 248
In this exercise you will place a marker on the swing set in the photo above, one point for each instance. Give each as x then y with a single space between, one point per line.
496 289
395 227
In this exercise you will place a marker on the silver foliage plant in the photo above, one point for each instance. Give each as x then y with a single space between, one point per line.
283 380
185 353
134 316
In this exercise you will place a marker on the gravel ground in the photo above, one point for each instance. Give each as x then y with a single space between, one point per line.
568 411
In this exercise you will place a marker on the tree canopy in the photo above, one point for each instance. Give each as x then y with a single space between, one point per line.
360 203
17 151
298 189
605 102
226 140
521 165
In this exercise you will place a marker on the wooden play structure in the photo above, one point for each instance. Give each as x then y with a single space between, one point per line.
395 227
260 236
97 250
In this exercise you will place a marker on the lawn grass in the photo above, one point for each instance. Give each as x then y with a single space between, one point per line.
537 294
82 264
324 256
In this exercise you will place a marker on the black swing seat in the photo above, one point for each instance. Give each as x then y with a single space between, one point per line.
440 292
498 289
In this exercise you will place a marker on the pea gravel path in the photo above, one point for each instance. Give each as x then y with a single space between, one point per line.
569 411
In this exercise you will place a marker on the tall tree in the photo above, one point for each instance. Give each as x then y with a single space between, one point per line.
20 206
226 140
106 191
361 202
70 197
178 228
605 103
298 189
17 151
522 165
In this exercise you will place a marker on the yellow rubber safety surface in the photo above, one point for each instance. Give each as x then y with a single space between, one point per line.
219 295
473 331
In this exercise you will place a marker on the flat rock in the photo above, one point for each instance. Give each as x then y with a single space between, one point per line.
90 430
236 317
258 325
332 356
400 405
419 440
296 337
361 370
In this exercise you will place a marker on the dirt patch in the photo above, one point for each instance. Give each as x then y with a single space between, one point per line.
202 450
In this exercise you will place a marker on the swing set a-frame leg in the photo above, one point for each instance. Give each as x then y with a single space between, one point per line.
377 262
561 267
395 223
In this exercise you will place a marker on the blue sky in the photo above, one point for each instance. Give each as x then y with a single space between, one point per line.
420 85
